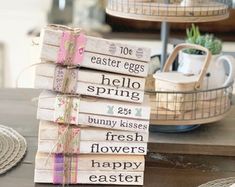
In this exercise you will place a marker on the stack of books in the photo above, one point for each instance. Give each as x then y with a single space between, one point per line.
94 116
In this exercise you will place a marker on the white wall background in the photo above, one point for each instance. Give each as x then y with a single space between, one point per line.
17 17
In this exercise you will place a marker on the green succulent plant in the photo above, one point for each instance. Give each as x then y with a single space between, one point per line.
208 40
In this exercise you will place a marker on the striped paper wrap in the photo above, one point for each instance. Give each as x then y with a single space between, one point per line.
65 169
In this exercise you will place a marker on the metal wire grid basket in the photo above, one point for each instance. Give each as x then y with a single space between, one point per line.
170 10
187 108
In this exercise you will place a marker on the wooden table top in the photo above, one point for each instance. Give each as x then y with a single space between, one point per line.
174 160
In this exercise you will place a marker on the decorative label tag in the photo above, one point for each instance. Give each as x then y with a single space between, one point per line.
65 80
80 49
65 169
72 47
66 110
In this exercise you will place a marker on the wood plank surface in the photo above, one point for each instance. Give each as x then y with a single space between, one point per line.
163 169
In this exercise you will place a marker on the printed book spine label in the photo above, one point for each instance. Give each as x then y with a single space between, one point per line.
102 62
99 45
91 162
90 147
89 177
109 92
60 74
93 120
51 131
66 81
61 105
115 123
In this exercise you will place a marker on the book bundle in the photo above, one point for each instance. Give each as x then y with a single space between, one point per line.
94 116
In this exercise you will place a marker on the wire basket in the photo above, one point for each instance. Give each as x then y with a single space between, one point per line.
170 10
189 108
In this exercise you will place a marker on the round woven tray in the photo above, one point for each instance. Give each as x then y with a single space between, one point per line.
227 182
171 12
12 148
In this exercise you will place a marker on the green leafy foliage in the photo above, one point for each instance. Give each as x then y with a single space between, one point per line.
208 40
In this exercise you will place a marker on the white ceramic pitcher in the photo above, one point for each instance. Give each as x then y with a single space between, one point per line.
216 76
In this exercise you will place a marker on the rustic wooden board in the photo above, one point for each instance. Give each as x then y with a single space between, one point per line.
95 177
111 163
94 147
89 114
102 62
91 76
97 106
91 83
50 131
96 90
52 37
108 122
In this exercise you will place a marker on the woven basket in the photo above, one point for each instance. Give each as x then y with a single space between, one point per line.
167 81
12 148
